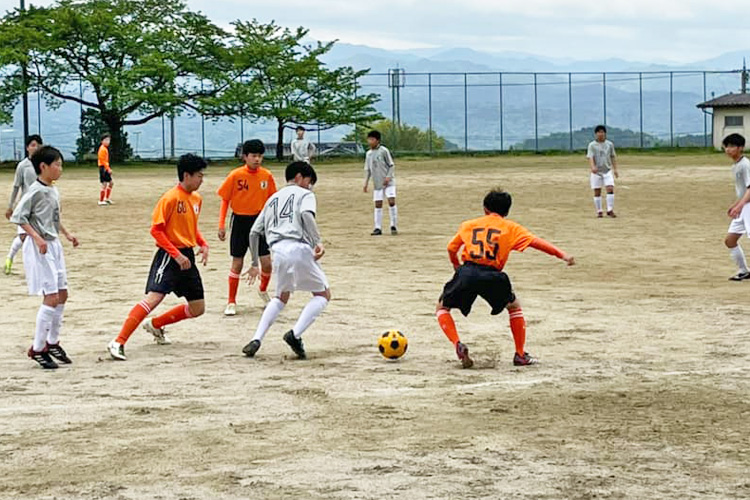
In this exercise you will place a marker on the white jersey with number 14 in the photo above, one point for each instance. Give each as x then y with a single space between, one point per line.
281 218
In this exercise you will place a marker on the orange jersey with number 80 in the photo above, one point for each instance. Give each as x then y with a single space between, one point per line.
247 191
489 240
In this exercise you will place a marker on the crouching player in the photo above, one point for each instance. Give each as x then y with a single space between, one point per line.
487 243
174 226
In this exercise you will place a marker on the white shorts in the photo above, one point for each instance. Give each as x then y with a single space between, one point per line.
598 181
741 225
381 194
295 268
45 273
20 230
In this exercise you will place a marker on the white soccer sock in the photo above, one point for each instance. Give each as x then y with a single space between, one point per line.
378 218
598 203
270 313
394 215
311 311
610 202
739 258
54 331
15 246
44 319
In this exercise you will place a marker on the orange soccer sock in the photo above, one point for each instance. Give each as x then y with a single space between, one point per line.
265 279
234 283
518 328
135 316
177 313
101 194
448 325
107 193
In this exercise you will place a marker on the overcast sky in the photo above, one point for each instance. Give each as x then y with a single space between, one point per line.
643 30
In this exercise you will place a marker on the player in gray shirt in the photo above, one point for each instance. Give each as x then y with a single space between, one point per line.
380 168
739 212
302 149
25 177
603 164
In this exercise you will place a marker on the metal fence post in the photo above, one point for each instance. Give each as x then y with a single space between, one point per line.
640 105
536 115
429 107
671 109
604 96
203 130
502 145
39 112
466 113
163 139
570 108
705 116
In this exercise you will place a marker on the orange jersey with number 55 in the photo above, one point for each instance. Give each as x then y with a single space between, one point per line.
247 191
489 240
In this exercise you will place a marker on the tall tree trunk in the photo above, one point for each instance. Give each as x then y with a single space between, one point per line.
280 141
118 147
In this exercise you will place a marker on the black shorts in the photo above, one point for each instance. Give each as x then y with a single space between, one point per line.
166 276
239 241
104 175
472 280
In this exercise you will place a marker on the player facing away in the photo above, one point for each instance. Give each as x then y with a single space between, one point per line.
380 168
288 222
246 189
25 177
487 243
739 212
174 226
105 171
302 149
603 164
38 213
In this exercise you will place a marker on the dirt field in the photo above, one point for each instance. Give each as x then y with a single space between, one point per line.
642 392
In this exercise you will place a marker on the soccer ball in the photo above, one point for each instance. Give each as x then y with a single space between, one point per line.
392 344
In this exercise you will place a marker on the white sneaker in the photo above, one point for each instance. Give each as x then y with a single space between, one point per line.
117 351
109 202
160 336
102 203
264 297
231 310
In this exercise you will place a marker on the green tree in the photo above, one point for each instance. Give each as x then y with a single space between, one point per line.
285 81
403 138
141 59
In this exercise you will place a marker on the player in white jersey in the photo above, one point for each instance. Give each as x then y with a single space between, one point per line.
302 149
739 212
603 164
288 223
25 177
380 167
38 213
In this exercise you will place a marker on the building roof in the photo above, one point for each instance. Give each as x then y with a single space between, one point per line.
728 101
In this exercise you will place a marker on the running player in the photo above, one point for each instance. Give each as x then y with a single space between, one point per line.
739 212
288 223
25 177
174 226
487 243
380 168
246 189
302 149
38 213
603 165
105 171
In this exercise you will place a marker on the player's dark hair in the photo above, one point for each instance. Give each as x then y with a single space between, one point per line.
600 128
32 138
498 202
253 146
189 164
47 155
105 136
734 140
374 134
302 168
300 127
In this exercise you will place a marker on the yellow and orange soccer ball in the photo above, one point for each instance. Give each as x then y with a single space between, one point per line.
392 344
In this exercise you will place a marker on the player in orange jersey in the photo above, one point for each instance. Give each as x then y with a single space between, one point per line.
246 190
174 226
487 243
105 171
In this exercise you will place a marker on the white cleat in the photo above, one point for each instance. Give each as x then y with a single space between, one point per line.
160 336
231 310
264 297
102 203
117 351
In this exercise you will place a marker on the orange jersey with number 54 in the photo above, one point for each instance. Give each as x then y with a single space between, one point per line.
489 240
246 190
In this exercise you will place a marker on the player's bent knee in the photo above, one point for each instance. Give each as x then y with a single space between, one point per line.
197 308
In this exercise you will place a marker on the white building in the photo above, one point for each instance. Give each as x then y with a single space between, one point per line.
731 114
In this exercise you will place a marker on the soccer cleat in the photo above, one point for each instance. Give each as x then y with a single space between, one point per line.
43 358
264 296
230 310
109 202
376 232
295 344
524 360
740 277
394 231
463 355
611 214
102 203
160 336
117 351
599 215
58 352
251 348
8 265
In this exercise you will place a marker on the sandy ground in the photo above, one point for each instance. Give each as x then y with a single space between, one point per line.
642 392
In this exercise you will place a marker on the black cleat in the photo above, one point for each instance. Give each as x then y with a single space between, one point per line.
44 359
525 360
251 348
740 277
394 231
376 232
58 352
295 344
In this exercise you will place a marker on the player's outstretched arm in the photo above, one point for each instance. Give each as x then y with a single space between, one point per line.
550 249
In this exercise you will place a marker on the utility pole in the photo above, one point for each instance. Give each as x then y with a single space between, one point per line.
744 76
25 97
